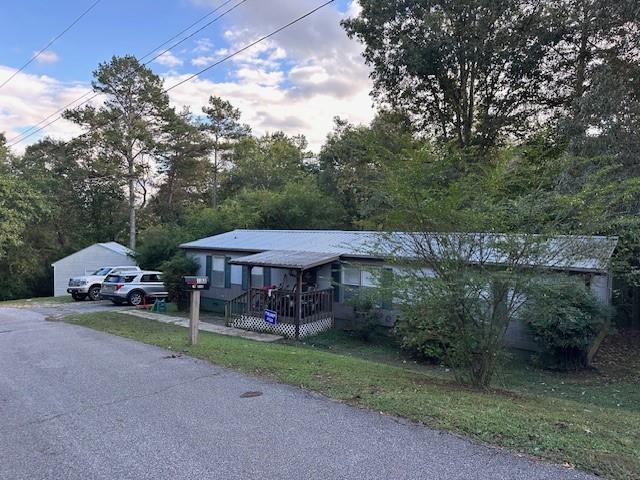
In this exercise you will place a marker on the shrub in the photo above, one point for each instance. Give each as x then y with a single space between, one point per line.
564 318
423 334
173 270
459 320
367 315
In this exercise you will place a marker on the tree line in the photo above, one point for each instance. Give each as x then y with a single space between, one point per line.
494 116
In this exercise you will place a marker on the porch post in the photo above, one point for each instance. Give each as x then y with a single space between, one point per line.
298 302
249 296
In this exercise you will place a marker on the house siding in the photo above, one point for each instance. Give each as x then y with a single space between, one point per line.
517 335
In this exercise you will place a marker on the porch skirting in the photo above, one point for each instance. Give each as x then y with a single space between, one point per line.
257 324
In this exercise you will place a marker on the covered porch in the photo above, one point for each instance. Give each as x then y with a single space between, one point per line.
299 305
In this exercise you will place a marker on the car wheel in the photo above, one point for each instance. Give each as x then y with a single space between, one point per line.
135 298
94 293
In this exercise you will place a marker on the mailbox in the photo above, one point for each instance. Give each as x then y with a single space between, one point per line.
195 283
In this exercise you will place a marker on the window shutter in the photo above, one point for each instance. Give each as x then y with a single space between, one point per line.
336 278
245 277
266 276
227 273
208 268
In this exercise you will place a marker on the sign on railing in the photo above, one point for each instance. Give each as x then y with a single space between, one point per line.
271 317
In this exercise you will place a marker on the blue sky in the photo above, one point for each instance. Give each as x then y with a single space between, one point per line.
296 82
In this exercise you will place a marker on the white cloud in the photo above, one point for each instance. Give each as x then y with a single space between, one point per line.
203 61
297 81
47 57
268 108
28 99
203 45
168 59
259 77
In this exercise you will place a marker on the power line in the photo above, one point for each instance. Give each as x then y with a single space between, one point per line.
25 134
247 47
40 52
186 28
198 30
224 59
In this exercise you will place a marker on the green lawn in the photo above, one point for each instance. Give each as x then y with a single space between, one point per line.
522 414
35 301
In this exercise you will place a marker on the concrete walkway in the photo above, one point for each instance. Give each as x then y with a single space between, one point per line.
205 327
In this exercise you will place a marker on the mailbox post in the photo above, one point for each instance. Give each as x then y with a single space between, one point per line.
195 285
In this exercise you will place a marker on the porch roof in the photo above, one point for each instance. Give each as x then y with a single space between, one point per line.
286 259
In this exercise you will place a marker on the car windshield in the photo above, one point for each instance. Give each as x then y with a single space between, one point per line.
102 271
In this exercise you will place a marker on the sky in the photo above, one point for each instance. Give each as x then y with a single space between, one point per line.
297 81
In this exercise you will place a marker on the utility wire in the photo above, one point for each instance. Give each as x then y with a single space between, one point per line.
40 52
224 59
186 29
25 134
247 47
200 29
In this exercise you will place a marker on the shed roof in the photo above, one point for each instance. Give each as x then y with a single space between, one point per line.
113 246
566 252
118 248
286 259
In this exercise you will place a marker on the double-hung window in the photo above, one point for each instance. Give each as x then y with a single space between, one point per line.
215 271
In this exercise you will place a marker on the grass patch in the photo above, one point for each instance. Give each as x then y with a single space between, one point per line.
611 385
596 437
36 301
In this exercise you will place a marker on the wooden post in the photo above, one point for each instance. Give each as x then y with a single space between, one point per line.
194 317
249 287
298 303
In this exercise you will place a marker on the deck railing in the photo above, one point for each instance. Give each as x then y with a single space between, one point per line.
314 305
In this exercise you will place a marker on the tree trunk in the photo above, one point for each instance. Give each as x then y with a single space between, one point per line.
132 209
214 189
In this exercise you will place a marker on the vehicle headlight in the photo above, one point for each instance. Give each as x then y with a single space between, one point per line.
83 282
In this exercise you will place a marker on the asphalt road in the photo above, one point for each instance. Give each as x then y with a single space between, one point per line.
80 404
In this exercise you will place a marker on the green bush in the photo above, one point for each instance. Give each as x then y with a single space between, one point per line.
422 334
564 318
173 270
367 315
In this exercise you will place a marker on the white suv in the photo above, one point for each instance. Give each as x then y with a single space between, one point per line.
89 285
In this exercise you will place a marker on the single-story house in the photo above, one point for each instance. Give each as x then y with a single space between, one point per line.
317 271
89 260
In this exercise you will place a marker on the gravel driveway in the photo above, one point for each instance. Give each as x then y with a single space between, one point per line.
81 404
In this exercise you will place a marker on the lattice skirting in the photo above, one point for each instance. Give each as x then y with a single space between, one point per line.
257 324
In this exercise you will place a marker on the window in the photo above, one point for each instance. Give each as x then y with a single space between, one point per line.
119 279
217 272
351 276
236 274
102 271
257 277
150 278
370 278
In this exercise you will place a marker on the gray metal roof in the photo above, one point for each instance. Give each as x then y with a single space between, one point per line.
566 252
113 246
286 259
322 241
118 248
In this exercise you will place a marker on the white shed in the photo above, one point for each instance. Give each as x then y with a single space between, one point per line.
88 260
